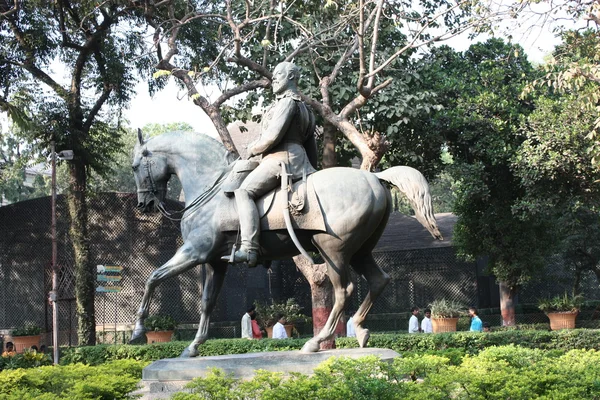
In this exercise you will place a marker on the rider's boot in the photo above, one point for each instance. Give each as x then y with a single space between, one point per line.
249 228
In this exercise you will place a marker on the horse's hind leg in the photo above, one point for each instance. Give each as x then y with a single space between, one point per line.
337 270
377 280
182 261
213 282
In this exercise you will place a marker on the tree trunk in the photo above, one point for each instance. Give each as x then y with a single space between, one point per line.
330 133
507 304
321 296
84 274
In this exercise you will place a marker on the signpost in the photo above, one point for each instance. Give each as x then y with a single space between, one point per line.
108 277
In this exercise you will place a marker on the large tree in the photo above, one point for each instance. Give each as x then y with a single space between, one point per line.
69 67
480 120
555 162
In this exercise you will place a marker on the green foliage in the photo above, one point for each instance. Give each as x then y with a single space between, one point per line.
564 303
96 355
27 359
504 372
160 323
29 329
113 380
444 308
448 345
480 123
266 314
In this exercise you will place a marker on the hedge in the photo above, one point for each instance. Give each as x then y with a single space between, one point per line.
113 380
506 372
466 342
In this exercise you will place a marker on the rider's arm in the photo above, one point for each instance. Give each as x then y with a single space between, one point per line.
282 116
310 146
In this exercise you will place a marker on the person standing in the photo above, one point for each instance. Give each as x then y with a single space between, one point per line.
426 326
413 322
247 323
476 324
256 333
350 332
278 329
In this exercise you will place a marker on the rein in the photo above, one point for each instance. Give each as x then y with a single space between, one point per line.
198 202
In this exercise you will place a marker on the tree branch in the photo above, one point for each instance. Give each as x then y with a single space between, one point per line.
261 83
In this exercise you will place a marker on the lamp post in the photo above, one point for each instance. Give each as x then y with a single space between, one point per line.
63 155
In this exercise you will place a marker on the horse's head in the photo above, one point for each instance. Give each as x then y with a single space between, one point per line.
151 174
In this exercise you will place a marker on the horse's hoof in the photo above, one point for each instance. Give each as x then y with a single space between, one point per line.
138 337
310 347
188 353
363 337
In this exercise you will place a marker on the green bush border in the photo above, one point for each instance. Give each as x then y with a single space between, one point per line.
467 342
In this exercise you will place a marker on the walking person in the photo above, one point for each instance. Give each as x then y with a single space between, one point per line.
413 322
476 324
426 326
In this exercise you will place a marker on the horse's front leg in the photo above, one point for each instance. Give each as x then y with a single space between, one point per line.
213 282
185 259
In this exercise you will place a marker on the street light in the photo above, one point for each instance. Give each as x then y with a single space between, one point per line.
63 155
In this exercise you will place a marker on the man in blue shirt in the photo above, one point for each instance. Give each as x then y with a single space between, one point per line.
476 324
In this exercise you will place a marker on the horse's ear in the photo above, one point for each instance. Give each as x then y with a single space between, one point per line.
140 138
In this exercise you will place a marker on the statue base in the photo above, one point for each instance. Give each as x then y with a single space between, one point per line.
162 378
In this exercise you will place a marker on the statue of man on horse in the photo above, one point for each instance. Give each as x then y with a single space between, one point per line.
287 136
340 212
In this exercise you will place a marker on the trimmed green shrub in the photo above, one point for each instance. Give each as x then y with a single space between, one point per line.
28 359
473 342
96 355
506 372
461 342
113 380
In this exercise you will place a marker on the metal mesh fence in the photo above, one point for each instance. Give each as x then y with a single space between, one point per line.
121 236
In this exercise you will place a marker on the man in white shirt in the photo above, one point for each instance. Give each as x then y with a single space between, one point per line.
350 332
413 322
247 323
426 326
278 329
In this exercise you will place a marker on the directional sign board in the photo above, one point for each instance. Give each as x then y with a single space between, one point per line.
109 289
108 275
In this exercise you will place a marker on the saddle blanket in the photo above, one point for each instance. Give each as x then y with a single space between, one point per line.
270 210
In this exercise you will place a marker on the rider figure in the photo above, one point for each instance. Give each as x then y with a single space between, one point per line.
287 136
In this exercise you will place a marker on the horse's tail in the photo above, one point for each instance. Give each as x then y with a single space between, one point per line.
415 187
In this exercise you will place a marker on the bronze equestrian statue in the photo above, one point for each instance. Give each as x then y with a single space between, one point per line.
338 212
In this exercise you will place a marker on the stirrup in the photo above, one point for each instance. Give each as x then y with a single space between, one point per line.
242 255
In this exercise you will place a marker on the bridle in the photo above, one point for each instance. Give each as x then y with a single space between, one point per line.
152 187
198 202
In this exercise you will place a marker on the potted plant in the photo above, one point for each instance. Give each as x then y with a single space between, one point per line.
561 310
26 336
444 314
159 328
266 315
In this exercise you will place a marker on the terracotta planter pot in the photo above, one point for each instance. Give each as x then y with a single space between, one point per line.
159 336
23 343
288 330
444 324
562 320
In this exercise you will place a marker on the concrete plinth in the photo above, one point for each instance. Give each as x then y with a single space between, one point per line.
170 375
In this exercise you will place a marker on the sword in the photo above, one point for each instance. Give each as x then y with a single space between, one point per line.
285 188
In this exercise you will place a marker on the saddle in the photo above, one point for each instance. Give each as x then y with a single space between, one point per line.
305 210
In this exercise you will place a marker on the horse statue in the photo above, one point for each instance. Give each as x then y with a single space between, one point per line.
354 204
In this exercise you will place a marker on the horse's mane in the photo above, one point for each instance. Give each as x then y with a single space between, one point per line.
189 142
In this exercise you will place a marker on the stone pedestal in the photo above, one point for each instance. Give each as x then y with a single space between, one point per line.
164 377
